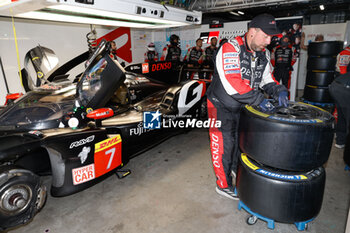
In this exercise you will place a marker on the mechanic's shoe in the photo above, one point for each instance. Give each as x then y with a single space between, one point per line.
340 146
227 192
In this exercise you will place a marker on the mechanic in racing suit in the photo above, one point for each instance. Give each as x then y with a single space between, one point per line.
282 59
209 55
172 51
194 58
343 60
242 66
151 55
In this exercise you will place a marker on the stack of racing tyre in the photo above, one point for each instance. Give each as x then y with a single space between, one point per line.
280 175
322 58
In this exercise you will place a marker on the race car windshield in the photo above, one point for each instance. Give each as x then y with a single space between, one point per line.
37 107
92 81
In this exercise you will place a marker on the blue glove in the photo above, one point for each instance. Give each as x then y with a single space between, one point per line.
283 99
266 106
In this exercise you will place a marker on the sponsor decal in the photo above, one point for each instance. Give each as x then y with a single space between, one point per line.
107 155
231 66
151 120
145 68
344 60
84 154
161 66
215 149
295 120
231 60
82 142
233 55
190 94
206 36
83 174
268 173
232 71
139 130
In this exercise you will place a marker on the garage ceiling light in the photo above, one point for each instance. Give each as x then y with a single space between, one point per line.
322 7
234 13
77 19
240 12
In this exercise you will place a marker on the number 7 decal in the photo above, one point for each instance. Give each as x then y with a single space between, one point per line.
107 155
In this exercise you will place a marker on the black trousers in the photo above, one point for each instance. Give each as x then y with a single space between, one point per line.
282 74
341 96
224 140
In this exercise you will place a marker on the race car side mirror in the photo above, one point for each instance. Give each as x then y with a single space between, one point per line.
100 113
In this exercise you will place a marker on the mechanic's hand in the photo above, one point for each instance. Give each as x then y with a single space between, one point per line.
266 106
283 99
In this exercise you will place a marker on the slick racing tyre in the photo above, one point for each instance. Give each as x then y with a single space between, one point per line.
317 94
322 79
297 138
321 63
21 196
287 197
327 48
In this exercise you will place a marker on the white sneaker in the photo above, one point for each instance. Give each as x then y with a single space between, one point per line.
227 192
340 146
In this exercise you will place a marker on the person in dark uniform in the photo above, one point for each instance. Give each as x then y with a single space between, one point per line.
242 68
172 52
151 55
194 57
340 92
283 57
209 55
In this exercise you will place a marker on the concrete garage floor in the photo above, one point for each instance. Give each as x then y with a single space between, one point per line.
172 190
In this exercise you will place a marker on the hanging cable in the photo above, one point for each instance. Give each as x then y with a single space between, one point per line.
15 37
91 39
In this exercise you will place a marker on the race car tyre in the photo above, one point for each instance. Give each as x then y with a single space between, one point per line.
317 94
321 63
21 196
297 138
326 48
283 196
322 79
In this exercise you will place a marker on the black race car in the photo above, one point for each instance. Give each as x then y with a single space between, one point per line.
80 133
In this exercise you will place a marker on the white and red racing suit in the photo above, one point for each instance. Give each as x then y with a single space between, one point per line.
343 60
238 75
151 56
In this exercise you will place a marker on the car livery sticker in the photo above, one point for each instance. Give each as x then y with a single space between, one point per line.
107 155
83 174
248 163
233 55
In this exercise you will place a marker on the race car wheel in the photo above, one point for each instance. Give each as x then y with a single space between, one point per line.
297 138
21 196
326 48
283 196
322 79
321 63
317 94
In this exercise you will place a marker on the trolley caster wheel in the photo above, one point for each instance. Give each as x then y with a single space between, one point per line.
252 220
